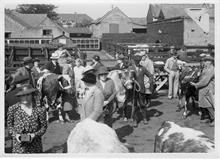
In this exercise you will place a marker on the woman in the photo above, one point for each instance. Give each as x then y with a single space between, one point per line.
92 104
37 70
26 123
107 86
78 71
206 86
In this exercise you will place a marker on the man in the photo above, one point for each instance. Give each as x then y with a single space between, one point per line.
120 63
206 87
147 63
172 67
61 50
96 64
53 65
24 75
142 97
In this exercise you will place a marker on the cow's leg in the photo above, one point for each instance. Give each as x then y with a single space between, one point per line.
186 112
134 110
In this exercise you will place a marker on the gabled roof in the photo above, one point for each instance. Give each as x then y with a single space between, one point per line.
139 21
177 10
75 17
116 9
83 30
30 20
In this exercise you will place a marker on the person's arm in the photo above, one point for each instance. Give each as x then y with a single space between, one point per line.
167 65
113 90
205 80
42 122
98 106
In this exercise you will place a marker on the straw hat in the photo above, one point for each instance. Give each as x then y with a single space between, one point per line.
54 56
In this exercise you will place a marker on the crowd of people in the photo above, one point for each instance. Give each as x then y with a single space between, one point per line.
26 120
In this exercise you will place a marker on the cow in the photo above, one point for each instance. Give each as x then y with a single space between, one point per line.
127 90
172 138
51 86
89 136
186 90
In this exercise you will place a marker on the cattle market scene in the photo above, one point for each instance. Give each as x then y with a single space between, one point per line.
109 80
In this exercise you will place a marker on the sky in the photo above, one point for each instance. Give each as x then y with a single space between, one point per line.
96 10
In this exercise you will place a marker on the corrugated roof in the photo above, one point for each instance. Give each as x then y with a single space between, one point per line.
75 17
109 12
84 30
139 21
177 10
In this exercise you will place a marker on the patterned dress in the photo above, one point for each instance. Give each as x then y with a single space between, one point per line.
19 122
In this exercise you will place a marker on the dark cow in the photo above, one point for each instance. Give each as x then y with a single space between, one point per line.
174 138
186 90
51 86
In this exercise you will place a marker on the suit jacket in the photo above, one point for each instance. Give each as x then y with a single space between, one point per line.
97 65
139 76
52 68
23 76
206 87
108 91
92 105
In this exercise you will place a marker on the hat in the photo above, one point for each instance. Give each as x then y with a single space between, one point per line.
208 58
172 47
36 59
96 57
87 69
26 89
89 78
27 60
54 56
121 57
137 58
102 70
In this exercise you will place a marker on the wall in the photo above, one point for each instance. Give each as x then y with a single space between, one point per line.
167 31
194 35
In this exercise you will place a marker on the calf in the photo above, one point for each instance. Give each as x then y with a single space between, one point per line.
173 138
90 136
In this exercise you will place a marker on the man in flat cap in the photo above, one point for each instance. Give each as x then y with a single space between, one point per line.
24 75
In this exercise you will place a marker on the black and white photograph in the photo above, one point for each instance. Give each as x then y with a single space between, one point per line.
109 77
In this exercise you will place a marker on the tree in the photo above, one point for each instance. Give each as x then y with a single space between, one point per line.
38 9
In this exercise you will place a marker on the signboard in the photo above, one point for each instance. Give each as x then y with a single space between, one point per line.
200 16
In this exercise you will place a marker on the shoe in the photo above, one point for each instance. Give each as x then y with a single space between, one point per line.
145 122
170 97
135 124
205 121
212 124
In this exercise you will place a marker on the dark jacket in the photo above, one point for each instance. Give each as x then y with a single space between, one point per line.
139 76
52 68
23 75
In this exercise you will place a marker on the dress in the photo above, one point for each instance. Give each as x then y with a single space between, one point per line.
19 122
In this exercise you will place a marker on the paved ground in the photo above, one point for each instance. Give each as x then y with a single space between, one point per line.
140 139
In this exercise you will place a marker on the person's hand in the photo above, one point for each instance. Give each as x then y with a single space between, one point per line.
18 137
106 102
192 83
32 136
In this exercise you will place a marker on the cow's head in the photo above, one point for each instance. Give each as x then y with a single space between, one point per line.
127 78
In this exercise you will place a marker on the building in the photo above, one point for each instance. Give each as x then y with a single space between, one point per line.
74 20
114 21
169 24
30 28
139 25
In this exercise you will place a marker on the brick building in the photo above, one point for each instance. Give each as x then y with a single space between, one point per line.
169 24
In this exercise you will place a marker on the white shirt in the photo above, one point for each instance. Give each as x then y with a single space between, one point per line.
78 72
103 84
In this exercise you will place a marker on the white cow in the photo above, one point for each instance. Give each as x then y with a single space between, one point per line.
173 138
90 136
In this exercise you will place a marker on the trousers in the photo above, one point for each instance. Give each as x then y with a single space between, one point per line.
173 83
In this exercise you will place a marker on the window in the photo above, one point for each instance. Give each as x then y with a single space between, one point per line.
7 34
47 32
